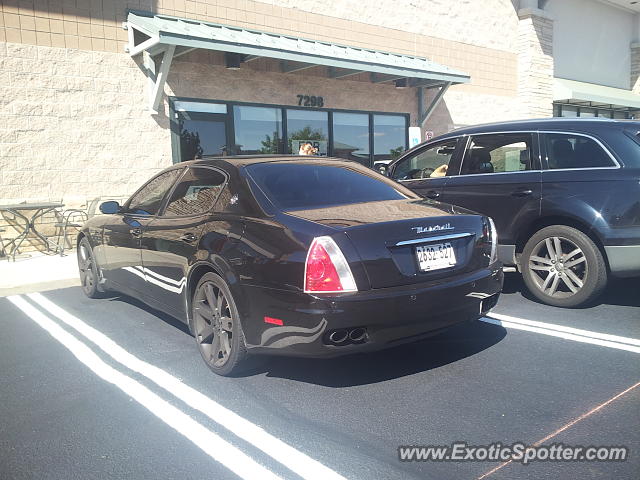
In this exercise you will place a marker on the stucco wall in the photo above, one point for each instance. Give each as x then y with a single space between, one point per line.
490 24
591 42
202 75
476 37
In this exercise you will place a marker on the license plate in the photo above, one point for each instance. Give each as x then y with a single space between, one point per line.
435 257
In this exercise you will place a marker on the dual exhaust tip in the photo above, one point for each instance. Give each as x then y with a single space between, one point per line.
344 336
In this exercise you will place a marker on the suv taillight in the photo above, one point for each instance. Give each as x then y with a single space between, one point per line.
326 270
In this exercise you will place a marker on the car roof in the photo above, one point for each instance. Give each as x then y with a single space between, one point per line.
571 124
244 160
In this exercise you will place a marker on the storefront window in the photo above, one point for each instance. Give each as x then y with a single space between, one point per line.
258 130
351 136
562 110
202 129
389 137
307 126
569 111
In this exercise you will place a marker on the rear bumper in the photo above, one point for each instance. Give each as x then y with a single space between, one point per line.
390 316
624 260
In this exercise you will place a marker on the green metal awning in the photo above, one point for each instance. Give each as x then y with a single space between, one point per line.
590 94
169 37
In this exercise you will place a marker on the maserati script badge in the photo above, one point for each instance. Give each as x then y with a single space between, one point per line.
433 228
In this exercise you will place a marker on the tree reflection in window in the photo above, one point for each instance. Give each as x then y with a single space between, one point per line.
270 143
190 145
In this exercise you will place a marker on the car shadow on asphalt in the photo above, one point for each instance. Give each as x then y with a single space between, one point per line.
450 346
620 291
447 347
174 322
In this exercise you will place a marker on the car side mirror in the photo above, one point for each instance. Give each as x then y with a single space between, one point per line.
384 170
109 208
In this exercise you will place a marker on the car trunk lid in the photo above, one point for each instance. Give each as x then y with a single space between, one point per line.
391 237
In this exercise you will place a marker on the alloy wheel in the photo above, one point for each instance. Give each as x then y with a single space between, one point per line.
86 267
558 267
213 324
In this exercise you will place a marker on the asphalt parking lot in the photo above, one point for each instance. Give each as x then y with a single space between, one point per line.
131 398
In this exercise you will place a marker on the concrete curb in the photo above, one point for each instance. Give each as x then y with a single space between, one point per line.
40 287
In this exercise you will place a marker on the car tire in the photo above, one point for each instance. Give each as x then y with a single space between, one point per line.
216 326
563 267
88 269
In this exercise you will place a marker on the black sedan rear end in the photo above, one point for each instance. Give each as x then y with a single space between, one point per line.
297 256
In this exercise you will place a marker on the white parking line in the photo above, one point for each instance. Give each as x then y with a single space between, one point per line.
568 333
288 456
213 445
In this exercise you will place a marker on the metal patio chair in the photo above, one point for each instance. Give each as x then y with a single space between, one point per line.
4 243
7 249
74 218
3 252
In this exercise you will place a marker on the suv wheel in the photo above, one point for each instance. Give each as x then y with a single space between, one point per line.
216 326
561 266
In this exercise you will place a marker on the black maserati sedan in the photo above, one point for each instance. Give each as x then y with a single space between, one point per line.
564 194
293 256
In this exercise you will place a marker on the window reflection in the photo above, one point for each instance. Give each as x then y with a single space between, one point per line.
195 192
258 130
389 137
351 136
202 129
201 134
307 126
148 199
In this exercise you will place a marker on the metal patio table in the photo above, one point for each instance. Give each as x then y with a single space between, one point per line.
27 222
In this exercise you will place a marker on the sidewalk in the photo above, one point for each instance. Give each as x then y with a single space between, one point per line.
38 273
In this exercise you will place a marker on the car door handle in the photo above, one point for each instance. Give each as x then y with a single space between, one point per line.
432 194
521 193
136 232
188 238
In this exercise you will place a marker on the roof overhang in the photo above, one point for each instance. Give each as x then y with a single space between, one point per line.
156 35
590 94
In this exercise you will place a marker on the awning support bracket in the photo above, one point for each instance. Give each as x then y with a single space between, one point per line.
157 76
425 111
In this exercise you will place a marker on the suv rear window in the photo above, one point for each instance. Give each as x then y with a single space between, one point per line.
575 151
628 148
294 186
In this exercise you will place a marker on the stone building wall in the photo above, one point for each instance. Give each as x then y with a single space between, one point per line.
535 63
635 68
74 125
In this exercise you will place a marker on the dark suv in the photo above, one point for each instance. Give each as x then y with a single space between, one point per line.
564 194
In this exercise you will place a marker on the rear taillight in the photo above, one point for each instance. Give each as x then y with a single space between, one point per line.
326 270
491 236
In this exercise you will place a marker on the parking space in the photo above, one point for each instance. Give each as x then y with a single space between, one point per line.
479 383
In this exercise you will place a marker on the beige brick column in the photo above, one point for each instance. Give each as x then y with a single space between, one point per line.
535 63
635 67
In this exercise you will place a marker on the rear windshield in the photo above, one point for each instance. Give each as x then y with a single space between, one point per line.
292 186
